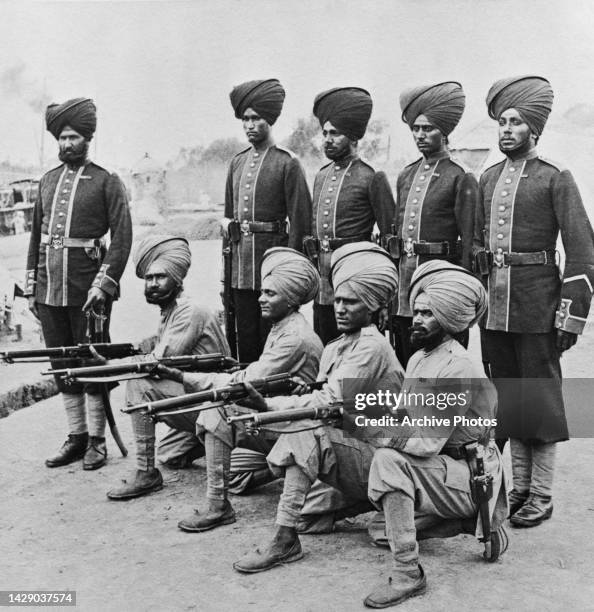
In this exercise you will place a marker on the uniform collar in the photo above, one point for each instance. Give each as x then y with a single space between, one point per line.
533 154
436 157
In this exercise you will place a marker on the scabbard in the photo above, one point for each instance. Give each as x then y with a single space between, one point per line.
113 428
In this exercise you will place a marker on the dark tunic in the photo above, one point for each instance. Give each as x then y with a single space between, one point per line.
77 203
268 186
349 198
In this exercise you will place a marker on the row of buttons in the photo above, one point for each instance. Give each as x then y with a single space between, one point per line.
246 198
502 208
64 200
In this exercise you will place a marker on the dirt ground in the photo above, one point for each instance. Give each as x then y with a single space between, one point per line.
60 532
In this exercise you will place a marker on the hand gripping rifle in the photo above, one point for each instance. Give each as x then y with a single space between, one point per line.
211 362
277 384
256 420
79 351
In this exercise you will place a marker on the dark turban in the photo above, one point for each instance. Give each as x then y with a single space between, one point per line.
170 251
366 269
531 96
292 273
79 113
456 296
347 108
266 97
442 104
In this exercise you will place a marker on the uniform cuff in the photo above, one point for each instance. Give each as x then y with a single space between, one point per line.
104 282
566 321
30 282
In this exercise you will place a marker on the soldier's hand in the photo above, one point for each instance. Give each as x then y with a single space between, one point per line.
33 306
383 321
95 298
255 399
169 373
300 386
96 358
565 340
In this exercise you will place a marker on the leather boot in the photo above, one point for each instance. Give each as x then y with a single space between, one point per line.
96 454
284 548
516 500
214 517
145 481
402 585
537 509
72 450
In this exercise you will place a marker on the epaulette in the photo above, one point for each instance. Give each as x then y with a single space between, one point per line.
461 165
54 168
285 150
414 163
366 163
502 161
550 162
109 171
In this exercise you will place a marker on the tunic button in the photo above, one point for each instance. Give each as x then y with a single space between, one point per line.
59 226
337 167
427 166
326 212
249 174
252 165
328 200
501 221
422 177
501 208
500 236
246 198
245 209
64 190
508 181
70 171
561 315
67 181
326 236
62 201
415 201
325 225
411 227
504 193
60 214
256 154
512 169
333 178
417 189
413 214
247 185
331 189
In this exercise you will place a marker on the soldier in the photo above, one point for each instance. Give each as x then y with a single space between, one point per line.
185 328
436 198
265 186
69 270
535 313
349 195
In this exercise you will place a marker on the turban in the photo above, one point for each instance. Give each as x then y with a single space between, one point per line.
531 96
79 113
442 104
292 273
266 97
367 270
347 108
457 298
170 251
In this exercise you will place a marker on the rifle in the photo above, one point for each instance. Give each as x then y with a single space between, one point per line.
256 420
211 362
62 353
277 384
481 485
228 304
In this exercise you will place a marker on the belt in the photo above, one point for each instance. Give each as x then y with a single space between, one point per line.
331 244
536 258
459 452
422 247
262 227
61 242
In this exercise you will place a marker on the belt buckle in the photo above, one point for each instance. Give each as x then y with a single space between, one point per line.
499 258
447 247
325 245
409 247
245 227
57 242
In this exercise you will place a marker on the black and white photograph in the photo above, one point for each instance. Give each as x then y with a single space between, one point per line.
295 305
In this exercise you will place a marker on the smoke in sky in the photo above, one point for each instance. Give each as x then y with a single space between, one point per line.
14 82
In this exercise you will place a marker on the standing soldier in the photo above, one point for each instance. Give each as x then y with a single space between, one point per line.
436 199
265 185
349 195
534 313
69 270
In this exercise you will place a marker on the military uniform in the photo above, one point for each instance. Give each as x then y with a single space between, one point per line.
525 204
263 190
349 198
436 201
67 255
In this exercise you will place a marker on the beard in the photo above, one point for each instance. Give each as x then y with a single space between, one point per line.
74 156
421 338
161 298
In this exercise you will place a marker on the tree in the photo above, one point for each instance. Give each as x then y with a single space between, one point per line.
375 141
222 150
304 139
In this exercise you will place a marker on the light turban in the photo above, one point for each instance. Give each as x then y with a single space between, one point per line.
293 274
347 108
442 104
170 251
79 113
266 97
366 269
458 299
531 96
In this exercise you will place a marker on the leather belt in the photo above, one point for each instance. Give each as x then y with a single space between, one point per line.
262 227
459 452
422 247
536 258
61 242
331 244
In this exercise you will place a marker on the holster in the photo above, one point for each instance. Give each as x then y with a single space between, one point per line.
481 484
311 247
234 231
392 244
482 262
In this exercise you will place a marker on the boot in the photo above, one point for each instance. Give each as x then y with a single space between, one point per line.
537 509
145 481
72 450
218 514
284 548
516 500
402 585
96 454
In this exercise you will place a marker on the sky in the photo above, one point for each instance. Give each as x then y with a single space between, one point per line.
161 71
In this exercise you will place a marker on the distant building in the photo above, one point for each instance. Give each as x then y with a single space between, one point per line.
148 191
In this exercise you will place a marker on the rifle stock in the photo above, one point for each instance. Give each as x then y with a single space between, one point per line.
228 304
258 419
79 351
